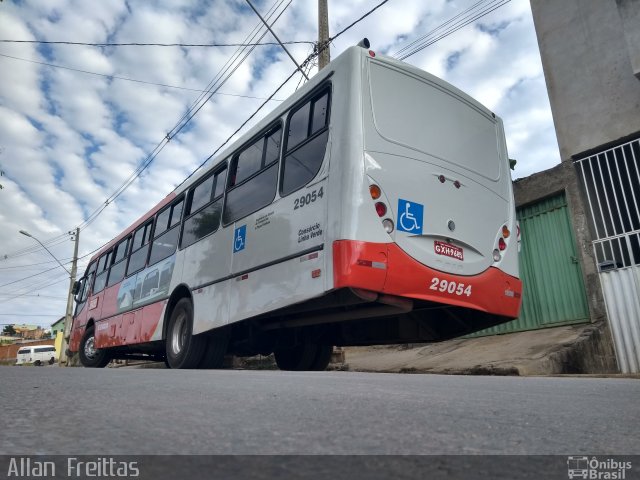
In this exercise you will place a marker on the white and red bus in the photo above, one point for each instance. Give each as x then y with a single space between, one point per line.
373 206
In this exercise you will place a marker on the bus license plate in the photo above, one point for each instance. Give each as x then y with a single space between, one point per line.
448 250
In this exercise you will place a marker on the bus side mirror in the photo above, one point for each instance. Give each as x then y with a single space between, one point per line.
76 287
512 163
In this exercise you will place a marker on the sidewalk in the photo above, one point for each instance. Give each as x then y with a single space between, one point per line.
551 351
570 350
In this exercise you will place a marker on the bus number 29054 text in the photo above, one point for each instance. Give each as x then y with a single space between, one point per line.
308 198
450 287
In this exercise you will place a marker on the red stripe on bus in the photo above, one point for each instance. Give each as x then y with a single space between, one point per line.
492 291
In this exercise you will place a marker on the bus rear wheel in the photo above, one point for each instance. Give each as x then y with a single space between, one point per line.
322 358
217 342
90 356
298 358
183 350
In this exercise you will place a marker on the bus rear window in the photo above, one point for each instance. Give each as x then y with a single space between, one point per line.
422 116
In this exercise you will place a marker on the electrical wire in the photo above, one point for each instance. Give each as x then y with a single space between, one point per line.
162 144
128 79
28 277
194 110
238 129
138 44
199 104
470 16
180 125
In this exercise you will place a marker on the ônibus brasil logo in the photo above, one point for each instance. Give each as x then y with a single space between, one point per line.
594 468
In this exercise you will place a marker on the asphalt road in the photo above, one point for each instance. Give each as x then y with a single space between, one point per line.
74 411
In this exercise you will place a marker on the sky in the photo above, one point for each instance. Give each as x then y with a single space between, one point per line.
70 139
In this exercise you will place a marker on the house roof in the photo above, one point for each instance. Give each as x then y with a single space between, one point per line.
58 322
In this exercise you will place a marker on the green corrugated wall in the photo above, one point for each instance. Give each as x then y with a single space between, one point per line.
553 289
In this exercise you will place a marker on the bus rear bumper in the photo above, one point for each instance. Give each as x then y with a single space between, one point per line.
385 268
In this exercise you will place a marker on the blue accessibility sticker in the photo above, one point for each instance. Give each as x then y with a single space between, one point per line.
410 217
239 238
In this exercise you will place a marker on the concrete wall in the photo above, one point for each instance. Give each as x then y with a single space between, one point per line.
594 95
630 15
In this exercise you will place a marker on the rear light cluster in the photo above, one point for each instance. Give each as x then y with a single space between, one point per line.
381 207
502 244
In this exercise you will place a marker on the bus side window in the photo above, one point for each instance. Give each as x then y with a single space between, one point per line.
203 218
306 143
91 273
119 262
139 248
246 195
102 272
166 241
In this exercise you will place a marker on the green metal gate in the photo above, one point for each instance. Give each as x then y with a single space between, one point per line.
553 289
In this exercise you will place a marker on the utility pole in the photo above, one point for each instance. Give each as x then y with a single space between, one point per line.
323 34
68 319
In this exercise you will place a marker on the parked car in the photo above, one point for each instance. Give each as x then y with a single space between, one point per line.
36 355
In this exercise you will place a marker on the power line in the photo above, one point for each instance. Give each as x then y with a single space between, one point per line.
51 242
36 288
357 21
457 22
139 44
194 110
28 277
128 79
202 100
28 265
149 159
238 129
31 295
191 112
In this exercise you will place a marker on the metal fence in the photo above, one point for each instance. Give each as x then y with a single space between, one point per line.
611 181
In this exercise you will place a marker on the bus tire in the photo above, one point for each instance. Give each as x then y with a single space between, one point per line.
323 358
183 350
298 358
217 343
52 360
37 363
92 357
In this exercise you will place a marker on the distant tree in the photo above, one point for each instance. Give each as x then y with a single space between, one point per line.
9 330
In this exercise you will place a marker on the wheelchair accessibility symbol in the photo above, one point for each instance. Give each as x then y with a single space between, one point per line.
410 217
239 238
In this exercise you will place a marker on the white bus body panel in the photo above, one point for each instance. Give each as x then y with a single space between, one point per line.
427 130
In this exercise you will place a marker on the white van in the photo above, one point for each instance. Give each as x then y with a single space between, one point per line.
37 355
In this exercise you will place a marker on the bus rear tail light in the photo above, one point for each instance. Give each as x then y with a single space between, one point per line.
502 245
381 209
497 256
505 232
